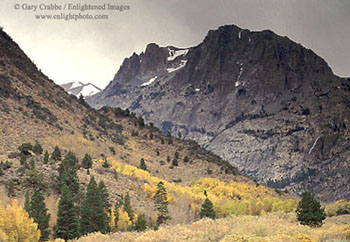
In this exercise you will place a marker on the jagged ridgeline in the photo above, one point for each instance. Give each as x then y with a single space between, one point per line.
266 104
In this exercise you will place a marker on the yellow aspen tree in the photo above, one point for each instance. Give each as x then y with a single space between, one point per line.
111 216
124 220
259 207
15 224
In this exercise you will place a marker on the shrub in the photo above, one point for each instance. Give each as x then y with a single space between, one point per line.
112 150
35 180
23 159
13 155
140 224
143 165
186 159
56 154
25 148
86 162
106 164
46 157
38 150
10 187
6 165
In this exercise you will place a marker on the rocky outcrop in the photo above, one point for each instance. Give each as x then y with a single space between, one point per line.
266 104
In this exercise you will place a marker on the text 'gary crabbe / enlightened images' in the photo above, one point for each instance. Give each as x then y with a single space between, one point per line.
71 11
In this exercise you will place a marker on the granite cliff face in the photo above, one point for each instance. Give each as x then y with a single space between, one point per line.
266 104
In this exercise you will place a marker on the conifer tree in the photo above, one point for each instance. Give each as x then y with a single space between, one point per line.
117 205
143 165
32 164
39 213
67 226
56 154
93 216
208 209
67 171
127 207
309 211
23 159
46 157
86 162
104 195
38 150
27 202
140 224
161 204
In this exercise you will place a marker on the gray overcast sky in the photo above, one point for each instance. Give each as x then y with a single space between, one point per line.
93 50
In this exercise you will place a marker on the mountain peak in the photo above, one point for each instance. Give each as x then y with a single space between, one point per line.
79 88
257 99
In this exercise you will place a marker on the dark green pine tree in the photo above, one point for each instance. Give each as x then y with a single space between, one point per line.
140 224
38 150
39 213
67 173
117 205
127 207
67 226
86 162
93 216
309 211
143 165
161 204
56 154
27 202
208 209
104 194
46 157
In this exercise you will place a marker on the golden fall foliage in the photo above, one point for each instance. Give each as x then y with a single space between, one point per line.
233 198
123 220
15 225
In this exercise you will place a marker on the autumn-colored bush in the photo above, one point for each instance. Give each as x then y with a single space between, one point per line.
15 224
228 198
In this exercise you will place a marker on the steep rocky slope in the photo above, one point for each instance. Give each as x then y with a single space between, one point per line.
266 104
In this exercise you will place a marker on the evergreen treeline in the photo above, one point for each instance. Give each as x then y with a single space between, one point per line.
78 213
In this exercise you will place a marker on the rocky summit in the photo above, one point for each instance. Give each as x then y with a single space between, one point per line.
268 105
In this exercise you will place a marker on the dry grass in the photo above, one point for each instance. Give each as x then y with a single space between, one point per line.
269 227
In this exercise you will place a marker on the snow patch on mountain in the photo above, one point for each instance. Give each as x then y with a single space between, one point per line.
149 82
173 54
182 64
79 88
